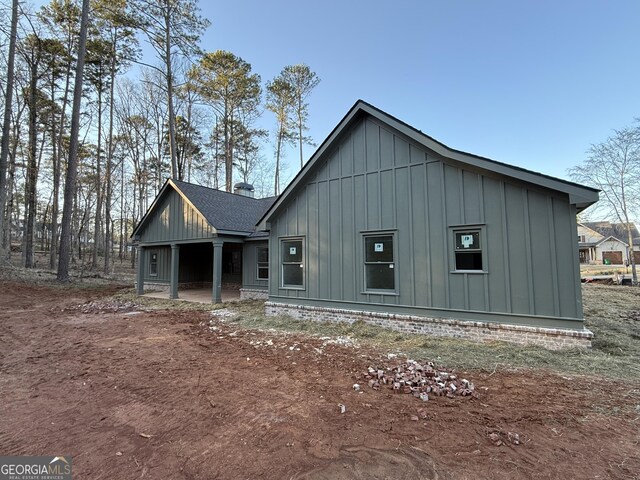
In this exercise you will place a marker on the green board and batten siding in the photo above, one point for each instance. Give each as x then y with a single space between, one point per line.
250 265
375 178
174 220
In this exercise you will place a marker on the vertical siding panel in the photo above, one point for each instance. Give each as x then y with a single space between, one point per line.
476 291
565 240
301 216
335 240
349 236
527 245
372 136
372 193
386 149
323 244
359 197
400 151
542 266
554 256
457 295
518 274
358 140
476 285
404 238
346 157
472 204
387 200
313 273
453 198
437 239
420 248
334 165
495 249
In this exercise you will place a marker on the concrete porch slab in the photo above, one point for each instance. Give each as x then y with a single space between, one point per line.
198 295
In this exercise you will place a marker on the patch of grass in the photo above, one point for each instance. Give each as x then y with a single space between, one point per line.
611 312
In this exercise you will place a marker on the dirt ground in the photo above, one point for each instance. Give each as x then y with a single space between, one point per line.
168 395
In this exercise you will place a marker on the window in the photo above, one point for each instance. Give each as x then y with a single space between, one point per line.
153 264
292 266
263 263
379 266
468 251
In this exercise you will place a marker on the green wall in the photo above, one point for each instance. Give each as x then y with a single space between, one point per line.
377 179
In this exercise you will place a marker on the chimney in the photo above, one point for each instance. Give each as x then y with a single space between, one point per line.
243 189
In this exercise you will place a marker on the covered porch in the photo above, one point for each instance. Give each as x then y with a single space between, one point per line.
191 271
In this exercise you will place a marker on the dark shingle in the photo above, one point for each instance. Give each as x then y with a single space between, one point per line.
616 230
224 210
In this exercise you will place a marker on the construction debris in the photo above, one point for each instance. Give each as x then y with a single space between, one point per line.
106 306
419 380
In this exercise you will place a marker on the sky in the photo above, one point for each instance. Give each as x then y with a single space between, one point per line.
530 83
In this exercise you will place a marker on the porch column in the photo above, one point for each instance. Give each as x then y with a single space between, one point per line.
175 270
217 271
140 271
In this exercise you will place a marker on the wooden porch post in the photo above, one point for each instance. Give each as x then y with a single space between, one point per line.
140 271
217 271
175 270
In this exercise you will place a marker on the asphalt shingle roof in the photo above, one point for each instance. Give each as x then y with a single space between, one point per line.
616 230
224 210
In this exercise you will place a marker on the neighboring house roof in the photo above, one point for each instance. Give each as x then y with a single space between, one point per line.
612 238
616 230
226 212
579 195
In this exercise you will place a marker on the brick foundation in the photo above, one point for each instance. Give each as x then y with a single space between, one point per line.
550 338
253 294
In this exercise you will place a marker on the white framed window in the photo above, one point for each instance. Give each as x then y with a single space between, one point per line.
292 262
380 271
468 251
153 264
262 256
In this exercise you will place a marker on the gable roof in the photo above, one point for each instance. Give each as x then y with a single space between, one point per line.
615 230
224 211
579 195
612 238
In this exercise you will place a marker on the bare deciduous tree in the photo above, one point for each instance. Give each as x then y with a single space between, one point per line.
613 166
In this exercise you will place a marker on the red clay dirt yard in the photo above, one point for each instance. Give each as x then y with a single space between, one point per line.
133 393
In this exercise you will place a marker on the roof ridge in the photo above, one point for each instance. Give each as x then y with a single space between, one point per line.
217 190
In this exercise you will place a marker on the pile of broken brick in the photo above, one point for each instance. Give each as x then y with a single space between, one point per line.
420 380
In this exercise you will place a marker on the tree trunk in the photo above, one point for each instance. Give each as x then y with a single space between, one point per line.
32 171
6 127
172 118
277 175
72 166
96 224
109 165
57 173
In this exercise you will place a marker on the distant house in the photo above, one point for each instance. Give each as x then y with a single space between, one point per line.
607 243
199 237
386 225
